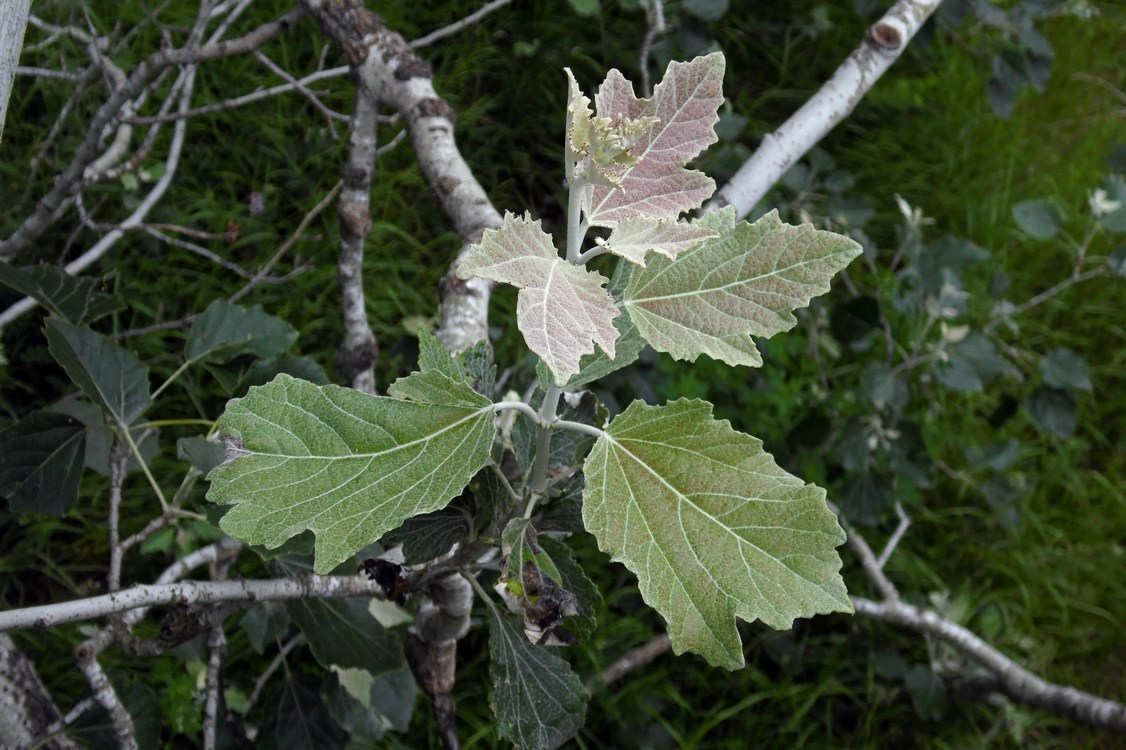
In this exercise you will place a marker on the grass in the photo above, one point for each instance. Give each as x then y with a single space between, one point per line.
1045 590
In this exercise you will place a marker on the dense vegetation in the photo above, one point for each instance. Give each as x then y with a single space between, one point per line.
996 428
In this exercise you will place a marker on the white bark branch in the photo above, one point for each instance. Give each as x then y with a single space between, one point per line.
833 102
188 592
106 697
359 349
394 75
1017 682
27 711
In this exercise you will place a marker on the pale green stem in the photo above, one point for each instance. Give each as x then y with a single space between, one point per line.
576 227
177 423
594 252
519 406
124 429
543 446
179 371
587 429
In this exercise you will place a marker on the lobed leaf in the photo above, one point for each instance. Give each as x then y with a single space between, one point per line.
297 718
636 236
747 281
685 105
348 466
538 701
224 331
713 528
41 459
75 300
343 633
110 376
562 309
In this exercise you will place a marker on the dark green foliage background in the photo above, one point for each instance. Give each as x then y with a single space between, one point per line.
1040 574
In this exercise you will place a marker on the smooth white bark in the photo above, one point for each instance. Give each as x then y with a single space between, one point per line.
188 592
832 103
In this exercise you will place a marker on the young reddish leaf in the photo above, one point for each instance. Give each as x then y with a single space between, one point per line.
685 105
599 149
638 235
562 309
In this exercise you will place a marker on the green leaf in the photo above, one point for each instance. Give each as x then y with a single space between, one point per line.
387 702
75 300
474 365
711 526
1063 368
99 437
562 309
685 104
712 299
431 535
1054 410
585 8
343 633
297 718
41 459
348 466
972 363
1039 218
110 376
224 331
538 701
264 624
707 10
200 452
928 692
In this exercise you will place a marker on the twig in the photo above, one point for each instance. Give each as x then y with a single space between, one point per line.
118 456
106 696
105 243
456 26
655 15
330 115
260 683
213 686
66 182
1039 299
1018 683
895 538
241 101
264 271
631 660
872 568
213 683
834 101
66 75
200 251
188 592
